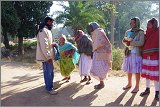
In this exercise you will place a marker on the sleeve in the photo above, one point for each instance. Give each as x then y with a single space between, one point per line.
140 42
100 40
44 45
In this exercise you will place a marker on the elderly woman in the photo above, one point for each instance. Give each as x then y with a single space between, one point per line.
68 57
150 64
132 64
84 44
102 53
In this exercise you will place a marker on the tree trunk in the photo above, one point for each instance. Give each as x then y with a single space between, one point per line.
6 41
20 45
113 19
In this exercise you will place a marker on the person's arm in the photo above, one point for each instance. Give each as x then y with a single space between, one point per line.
140 42
100 40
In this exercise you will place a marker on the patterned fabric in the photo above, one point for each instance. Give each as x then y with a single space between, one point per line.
150 69
99 68
68 46
68 58
66 65
101 45
132 64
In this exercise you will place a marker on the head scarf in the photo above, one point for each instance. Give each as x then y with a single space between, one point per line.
79 35
94 25
135 31
137 28
137 22
149 31
152 39
64 37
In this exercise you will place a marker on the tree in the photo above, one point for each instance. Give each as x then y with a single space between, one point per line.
10 21
128 9
78 14
110 10
30 13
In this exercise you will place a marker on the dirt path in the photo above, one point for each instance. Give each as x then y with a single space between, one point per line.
23 86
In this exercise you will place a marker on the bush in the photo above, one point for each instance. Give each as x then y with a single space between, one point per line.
117 58
72 41
29 44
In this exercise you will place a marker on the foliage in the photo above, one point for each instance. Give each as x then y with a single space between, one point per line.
22 17
128 9
117 58
31 13
78 14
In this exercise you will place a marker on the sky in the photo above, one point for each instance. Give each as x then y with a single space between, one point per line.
56 7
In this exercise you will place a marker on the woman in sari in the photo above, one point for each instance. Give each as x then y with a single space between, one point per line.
102 54
150 64
68 57
84 45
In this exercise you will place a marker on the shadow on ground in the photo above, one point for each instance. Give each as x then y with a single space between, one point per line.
39 97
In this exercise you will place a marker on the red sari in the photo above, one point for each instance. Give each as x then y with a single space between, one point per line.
150 65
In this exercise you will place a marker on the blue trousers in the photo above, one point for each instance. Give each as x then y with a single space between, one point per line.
48 75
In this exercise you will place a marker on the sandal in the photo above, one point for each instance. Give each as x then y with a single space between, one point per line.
84 79
157 96
127 87
64 78
68 78
146 92
134 91
99 86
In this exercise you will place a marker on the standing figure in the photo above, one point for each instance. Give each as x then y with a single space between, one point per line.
132 64
102 54
44 52
150 64
84 44
68 57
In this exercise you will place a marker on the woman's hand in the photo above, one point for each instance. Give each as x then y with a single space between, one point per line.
128 43
69 53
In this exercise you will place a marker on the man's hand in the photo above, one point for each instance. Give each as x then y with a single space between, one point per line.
50 61
54 45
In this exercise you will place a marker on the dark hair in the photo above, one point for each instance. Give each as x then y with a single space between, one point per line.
133 19
152 20
48 18
41 26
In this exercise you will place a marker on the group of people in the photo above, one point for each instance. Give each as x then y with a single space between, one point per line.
94 55
142 55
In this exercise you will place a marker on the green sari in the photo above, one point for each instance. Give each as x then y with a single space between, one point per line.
67 64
